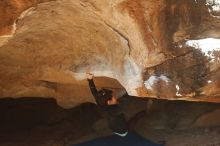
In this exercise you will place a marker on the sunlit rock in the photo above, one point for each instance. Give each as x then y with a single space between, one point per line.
137 45
214 8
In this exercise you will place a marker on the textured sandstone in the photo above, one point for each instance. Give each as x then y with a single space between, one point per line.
138 44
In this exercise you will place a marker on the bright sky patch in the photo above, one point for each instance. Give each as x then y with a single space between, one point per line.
207 46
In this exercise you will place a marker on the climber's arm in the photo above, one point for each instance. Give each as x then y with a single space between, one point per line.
92 86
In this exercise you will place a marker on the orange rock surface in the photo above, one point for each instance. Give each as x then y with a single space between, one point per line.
137 45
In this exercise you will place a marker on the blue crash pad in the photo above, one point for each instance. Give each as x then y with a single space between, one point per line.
132 139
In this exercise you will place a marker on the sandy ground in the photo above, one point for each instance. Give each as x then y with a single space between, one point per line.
189 137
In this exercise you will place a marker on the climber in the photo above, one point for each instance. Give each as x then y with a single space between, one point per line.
107 101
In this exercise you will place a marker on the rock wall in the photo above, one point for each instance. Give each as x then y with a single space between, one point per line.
139 45
10 11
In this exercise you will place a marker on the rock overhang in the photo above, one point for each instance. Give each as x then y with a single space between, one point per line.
130 41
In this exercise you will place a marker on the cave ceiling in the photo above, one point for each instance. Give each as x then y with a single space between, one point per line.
168 49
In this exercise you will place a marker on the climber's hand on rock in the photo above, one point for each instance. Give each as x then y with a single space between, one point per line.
89 75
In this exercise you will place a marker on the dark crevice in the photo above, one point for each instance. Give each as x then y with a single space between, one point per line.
47 84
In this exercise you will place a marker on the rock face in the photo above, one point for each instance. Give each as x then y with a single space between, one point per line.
138 45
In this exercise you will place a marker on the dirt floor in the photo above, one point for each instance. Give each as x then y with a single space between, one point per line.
40 122
190 137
